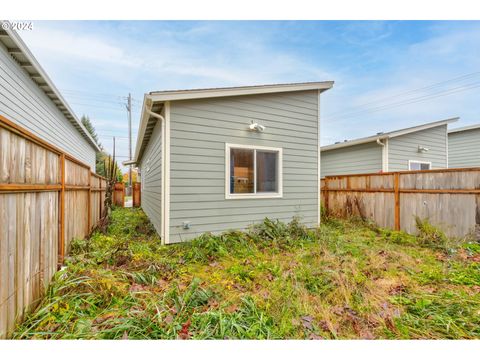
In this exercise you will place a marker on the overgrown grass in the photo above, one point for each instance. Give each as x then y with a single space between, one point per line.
345 280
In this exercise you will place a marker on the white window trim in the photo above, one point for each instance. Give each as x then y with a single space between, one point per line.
266 195
410 162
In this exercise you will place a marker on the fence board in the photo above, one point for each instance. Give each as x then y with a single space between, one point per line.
36 221
448 198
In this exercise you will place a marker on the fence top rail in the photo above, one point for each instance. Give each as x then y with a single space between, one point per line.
406 172
9 125
77 162
98 176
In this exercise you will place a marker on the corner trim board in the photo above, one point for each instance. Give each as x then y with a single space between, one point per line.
319 198
166 166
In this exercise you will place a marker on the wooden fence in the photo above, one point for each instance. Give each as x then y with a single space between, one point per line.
119 195
448 198
136 194
47 198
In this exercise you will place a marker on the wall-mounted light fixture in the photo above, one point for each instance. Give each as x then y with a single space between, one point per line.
422 149
256 127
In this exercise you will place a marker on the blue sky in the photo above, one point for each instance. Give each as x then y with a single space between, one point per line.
378 67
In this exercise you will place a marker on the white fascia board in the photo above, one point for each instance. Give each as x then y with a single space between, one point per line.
354 142
464 128
422 127
237 91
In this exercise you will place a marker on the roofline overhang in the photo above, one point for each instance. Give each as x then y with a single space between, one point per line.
52 92
389 135
162 96
464 128
237 91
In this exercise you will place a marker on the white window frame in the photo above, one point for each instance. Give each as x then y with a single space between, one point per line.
410 162
255 195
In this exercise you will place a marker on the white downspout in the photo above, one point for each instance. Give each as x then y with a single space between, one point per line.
163 221
384 154
158 116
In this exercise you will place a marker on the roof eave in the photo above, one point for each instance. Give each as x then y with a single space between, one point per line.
464 128
354 142
53 93
389 135
237 91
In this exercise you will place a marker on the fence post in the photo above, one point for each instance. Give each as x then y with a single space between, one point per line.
61 240
397 200
100 197
89 202
325 187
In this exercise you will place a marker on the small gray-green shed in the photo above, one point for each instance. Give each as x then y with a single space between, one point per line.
212 160
420 147
464 147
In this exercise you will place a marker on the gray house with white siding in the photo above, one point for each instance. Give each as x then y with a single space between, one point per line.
211 160
421 147
464 147
29 98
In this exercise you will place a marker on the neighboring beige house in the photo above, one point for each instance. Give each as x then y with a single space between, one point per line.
464 147
29 99
421 147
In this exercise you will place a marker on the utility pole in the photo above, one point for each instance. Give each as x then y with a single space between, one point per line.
129 109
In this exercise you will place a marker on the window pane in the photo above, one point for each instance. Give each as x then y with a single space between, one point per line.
241 171
267 171
414 166
419 166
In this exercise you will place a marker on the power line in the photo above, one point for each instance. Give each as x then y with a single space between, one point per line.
379 101
413 100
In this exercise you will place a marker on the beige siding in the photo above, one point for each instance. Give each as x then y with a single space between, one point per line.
199 131
403 148
151 173
464 149
24 103
356 159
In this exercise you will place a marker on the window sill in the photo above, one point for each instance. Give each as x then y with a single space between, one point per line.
254 196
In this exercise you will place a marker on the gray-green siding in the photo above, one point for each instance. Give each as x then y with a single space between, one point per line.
24 103
151 177
403 148
464 149
199 131
356 159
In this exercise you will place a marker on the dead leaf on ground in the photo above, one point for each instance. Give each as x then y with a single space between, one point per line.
475 258
125 336
307 322
103 318
398 289
184 333
168 319
315 337
231 308
137 288
212 303
441 257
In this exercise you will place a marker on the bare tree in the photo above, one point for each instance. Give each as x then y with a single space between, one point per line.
111 170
